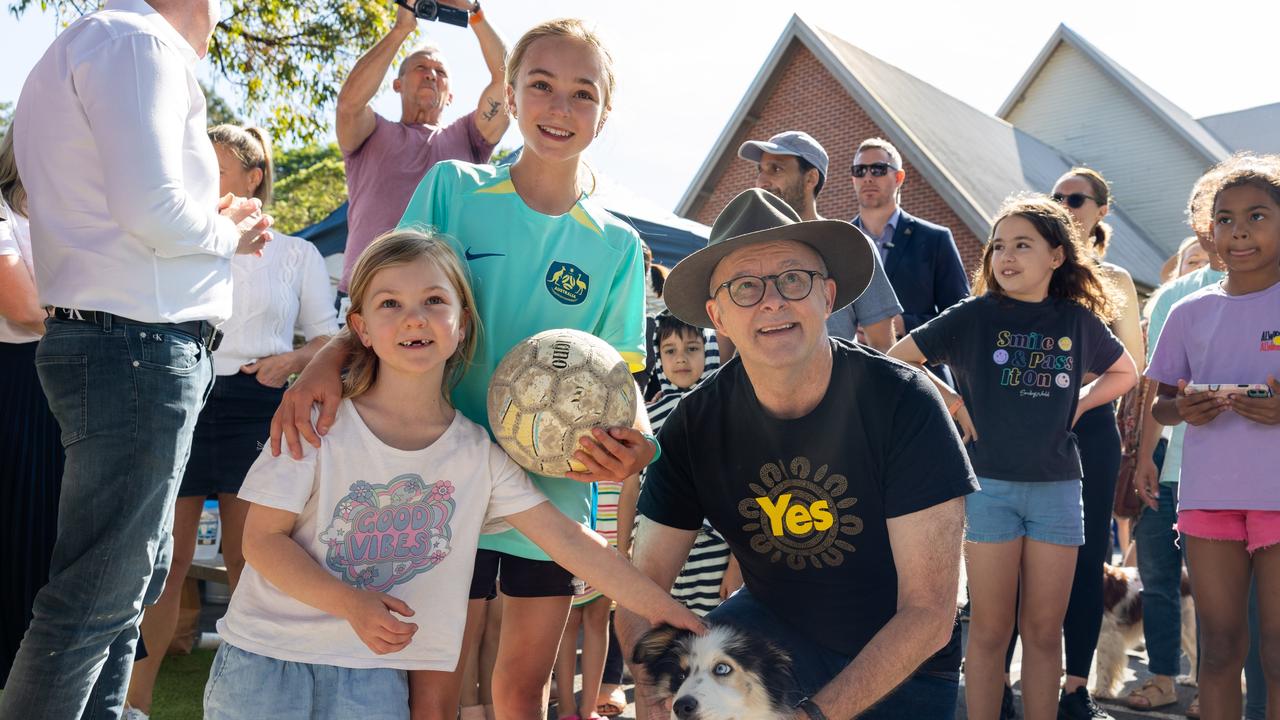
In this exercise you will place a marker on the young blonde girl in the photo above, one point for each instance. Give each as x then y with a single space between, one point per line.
1025 351
541 254
1228 514
369 538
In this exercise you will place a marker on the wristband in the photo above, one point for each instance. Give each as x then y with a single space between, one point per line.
956 405
811 709
477 16
657 449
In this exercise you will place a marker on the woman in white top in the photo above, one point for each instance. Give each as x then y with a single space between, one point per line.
287 288
30 441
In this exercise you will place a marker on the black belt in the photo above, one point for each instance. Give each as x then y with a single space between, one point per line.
202 330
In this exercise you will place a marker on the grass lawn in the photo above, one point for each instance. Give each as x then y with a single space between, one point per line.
180 687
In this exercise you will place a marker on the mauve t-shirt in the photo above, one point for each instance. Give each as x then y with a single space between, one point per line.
1229 463
383 173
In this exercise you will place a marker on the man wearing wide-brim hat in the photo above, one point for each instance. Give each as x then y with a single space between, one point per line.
834 473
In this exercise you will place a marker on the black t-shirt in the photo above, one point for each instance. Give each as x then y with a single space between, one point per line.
1019 367
803 503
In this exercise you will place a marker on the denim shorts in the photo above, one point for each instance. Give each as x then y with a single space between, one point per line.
1050 512
248 685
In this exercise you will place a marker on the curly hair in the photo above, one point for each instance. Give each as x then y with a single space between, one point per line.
400 247
1240 170
1078 279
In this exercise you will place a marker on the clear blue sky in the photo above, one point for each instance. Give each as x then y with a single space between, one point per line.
683 67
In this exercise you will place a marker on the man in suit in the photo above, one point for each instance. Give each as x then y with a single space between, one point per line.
920 258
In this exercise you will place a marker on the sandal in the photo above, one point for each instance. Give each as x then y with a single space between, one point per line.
612 705
1193 710
1151 696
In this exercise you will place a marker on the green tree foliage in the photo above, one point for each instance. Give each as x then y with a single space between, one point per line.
285 58
219 112
309 184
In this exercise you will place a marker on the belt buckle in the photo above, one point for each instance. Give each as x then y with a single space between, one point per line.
62 313
214 338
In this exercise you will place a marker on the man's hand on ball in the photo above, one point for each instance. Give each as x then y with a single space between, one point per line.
612 456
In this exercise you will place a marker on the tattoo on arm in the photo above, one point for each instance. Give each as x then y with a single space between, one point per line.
492 112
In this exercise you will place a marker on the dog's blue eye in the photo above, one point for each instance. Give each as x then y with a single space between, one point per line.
722 669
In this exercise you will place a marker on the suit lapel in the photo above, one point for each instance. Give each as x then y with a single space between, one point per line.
902 237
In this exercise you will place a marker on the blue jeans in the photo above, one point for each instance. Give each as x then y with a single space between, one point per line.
126 396
1160 565
1255 701
922 696
247 685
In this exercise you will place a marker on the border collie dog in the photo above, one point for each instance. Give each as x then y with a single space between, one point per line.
723 675
1122 628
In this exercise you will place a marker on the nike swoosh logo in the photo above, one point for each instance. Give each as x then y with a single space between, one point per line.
476 256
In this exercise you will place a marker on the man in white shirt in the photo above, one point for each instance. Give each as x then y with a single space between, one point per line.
132 250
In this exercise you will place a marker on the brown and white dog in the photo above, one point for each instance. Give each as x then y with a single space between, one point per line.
722 675
1122 628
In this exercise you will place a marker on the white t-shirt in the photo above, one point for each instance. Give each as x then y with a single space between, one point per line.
15 239
287 287
401 522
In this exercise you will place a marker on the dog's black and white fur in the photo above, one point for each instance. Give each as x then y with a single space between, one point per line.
1122 628
723 675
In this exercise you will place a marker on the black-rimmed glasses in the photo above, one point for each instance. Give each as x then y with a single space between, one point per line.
876 169
1075 201
748 290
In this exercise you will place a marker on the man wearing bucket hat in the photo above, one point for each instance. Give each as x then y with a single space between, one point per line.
834 473
793 166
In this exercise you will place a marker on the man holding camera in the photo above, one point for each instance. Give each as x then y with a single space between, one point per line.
385 159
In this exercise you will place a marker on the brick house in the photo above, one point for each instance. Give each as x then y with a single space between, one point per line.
962 162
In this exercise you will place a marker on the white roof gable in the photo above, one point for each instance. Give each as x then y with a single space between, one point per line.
970 158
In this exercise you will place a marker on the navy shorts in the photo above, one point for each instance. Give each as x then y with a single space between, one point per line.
521 577
230 432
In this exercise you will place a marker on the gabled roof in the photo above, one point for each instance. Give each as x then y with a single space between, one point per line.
1200 139
1255 129
971 159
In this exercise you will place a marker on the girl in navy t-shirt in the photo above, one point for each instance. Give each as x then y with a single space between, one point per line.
1030 352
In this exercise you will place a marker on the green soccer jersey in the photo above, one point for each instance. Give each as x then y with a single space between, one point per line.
532 272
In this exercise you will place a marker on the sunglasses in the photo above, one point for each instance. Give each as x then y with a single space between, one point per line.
876 169
748 290
1075 201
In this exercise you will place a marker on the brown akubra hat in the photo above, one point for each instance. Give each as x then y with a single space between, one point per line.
757 216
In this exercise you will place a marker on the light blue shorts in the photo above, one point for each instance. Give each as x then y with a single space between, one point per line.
1049 512
244 685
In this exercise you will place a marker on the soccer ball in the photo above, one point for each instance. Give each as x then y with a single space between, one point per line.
553 388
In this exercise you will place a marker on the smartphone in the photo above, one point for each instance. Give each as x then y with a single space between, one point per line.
1255 390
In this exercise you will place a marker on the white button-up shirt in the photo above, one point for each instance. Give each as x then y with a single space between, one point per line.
287 288
122 181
